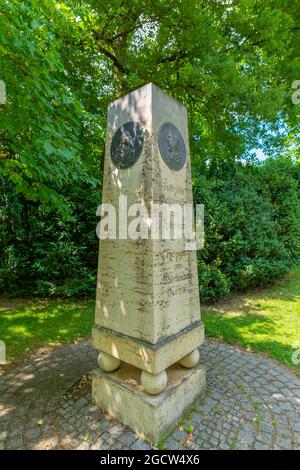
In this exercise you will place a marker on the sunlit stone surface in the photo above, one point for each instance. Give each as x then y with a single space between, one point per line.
147 306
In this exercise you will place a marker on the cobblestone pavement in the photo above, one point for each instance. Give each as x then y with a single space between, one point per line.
45 403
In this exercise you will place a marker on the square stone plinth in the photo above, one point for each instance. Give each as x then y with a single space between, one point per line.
121 395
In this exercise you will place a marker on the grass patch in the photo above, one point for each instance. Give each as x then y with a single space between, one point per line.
29 324
264 321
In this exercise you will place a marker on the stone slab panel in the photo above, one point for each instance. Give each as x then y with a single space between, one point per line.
151 358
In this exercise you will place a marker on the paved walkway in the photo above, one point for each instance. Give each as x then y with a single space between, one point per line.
45 403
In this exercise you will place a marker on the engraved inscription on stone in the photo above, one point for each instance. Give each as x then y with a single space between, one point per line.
172 146
127 145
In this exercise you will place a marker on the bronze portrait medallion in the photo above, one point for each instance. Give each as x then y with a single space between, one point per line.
172 146
127 145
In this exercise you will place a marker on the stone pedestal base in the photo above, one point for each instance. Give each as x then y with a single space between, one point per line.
153 358
121 394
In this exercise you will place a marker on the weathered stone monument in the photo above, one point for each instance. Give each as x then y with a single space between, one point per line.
147 321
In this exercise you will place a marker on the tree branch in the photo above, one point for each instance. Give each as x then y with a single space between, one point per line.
173 57
113 58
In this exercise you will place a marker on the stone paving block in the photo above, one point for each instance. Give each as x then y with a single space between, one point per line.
140 445
171 444
127 439
283 443
180 435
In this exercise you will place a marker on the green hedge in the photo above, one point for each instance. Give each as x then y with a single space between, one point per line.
41 253
252 225
251 233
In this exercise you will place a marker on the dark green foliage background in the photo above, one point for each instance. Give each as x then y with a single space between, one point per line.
252 228
252 225
44 253
231 63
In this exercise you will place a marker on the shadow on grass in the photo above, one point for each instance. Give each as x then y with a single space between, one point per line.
255 332
262 320
38 323
284 291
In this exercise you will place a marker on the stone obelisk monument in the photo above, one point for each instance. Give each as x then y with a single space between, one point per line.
147 322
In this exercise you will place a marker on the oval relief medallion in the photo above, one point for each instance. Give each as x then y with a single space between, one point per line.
127 145
172 146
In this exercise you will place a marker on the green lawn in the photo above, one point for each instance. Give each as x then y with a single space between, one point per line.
28 324
264 321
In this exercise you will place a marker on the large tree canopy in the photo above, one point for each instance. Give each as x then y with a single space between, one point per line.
232 62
